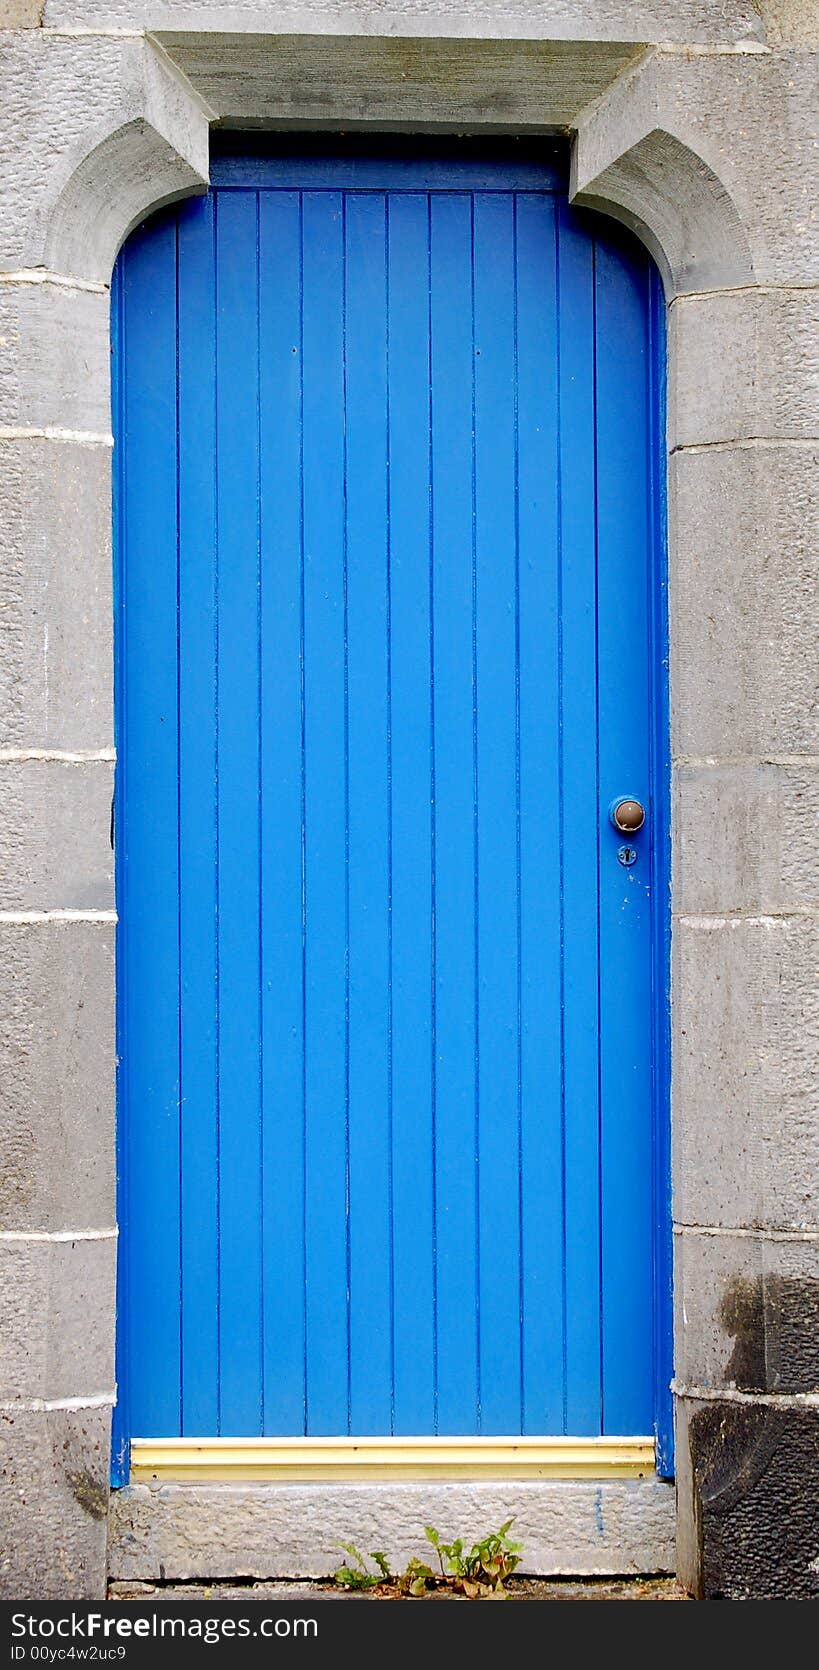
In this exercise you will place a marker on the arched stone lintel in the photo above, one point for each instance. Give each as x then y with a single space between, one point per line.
150 147
131 173
676 204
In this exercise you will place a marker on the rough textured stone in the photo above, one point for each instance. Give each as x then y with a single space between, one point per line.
93 133
53 1498
771 389
396 83
55 835
687 20
290 1530
747 1313
56 684
54 358
746 1072
792 23
746 837
754 1476
715 155
743 602
21 14
56 1299
57 1076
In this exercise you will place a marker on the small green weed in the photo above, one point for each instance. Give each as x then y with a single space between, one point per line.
479 1572
356 1575
415 1579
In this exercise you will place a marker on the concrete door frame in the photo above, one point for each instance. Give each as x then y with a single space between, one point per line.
673 146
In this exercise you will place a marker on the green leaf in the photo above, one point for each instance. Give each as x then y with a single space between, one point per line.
456 1564
348 1578
350 1548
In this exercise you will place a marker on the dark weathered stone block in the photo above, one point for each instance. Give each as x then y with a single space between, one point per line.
755 1472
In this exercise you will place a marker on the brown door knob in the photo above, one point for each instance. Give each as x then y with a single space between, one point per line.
627 815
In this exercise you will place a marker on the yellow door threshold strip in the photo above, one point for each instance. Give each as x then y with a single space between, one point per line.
237 1459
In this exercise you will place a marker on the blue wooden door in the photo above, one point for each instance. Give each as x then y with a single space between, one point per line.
391 1004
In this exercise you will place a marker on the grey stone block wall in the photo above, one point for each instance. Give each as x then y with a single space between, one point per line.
56 686
747 1152
56 1334
695 123
748 833
758 1292
743 603
54 369
54 1475
769 391
55 847
57 1075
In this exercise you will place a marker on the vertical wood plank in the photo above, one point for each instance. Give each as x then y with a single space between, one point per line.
624 553
541 854
370 1196
413 788
579 831
281 790
199 1108
496 763
326 817
456 1109
240 1180
150 867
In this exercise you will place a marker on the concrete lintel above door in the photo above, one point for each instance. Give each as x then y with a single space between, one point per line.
405 85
